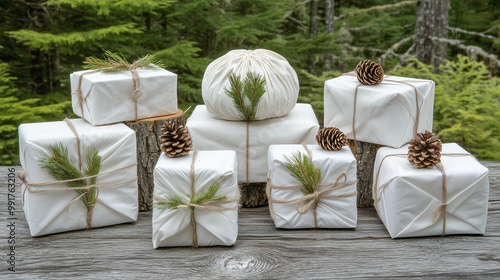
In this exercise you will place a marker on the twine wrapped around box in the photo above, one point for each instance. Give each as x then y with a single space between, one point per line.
29 186
312 200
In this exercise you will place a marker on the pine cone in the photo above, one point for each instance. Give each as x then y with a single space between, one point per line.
425 150
369 72
175 140
331 138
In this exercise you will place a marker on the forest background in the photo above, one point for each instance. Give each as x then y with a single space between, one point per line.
456 43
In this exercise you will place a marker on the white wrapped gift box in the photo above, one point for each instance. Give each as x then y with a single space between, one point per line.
407 198
282 83
383 114
47 212
107 97
331 212
209 133
172 227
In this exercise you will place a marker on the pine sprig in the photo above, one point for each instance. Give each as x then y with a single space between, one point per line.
60 166
303 170
114 62
246 94
172 201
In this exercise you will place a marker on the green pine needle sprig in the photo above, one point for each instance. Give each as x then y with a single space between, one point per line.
114 62
61 167
303 170
208 195
246 94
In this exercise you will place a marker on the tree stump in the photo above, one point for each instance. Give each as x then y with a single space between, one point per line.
148 133
365 157
253 194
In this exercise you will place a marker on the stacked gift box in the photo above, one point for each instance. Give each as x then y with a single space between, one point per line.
82 173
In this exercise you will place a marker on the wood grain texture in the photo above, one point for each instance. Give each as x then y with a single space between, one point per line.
148 133
261 251
365 154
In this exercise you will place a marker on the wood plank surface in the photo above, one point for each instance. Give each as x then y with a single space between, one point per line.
261 251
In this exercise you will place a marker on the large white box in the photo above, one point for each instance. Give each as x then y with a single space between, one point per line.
385 114
209 133
107 97
172 227
331 212
46 211
407 197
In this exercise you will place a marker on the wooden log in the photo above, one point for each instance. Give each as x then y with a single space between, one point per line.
365 156
253 195
148 133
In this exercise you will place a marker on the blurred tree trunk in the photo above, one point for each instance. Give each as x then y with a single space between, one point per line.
441 31
313 31
424 29
329 12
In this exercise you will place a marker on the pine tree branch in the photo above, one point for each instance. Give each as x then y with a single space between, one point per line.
114 62
303 170
483 35
173 201
250 90
393 48
471 50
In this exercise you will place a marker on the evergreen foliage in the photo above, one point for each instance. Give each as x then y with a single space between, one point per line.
466 105
303 170
61 167
45 40
246 94
208 195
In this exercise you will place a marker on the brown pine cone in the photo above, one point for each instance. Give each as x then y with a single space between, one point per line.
425 150
369 72
175 140
331 138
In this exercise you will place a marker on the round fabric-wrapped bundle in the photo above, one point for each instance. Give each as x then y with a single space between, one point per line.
282 84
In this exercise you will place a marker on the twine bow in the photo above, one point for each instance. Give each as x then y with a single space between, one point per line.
308 201
440 212
209 205
29 186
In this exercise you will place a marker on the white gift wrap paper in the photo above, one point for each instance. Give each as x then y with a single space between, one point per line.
172 175
116 144
385 113
107 97
407 196
209 133
282 83
340 212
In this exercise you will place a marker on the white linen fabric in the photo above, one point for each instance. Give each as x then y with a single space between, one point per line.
214 227
209 133
385 113
46 211
340 212
282 84
107 97
407 197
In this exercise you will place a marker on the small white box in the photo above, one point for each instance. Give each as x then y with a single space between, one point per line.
407 197
107 97
46 211
385 114
331 212
209 133
172 227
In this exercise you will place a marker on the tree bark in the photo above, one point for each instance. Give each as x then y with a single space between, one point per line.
148 132
253 194
329 22
313 31
424 29
441 31
365 157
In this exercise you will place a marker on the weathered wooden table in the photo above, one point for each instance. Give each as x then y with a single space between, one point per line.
261 251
